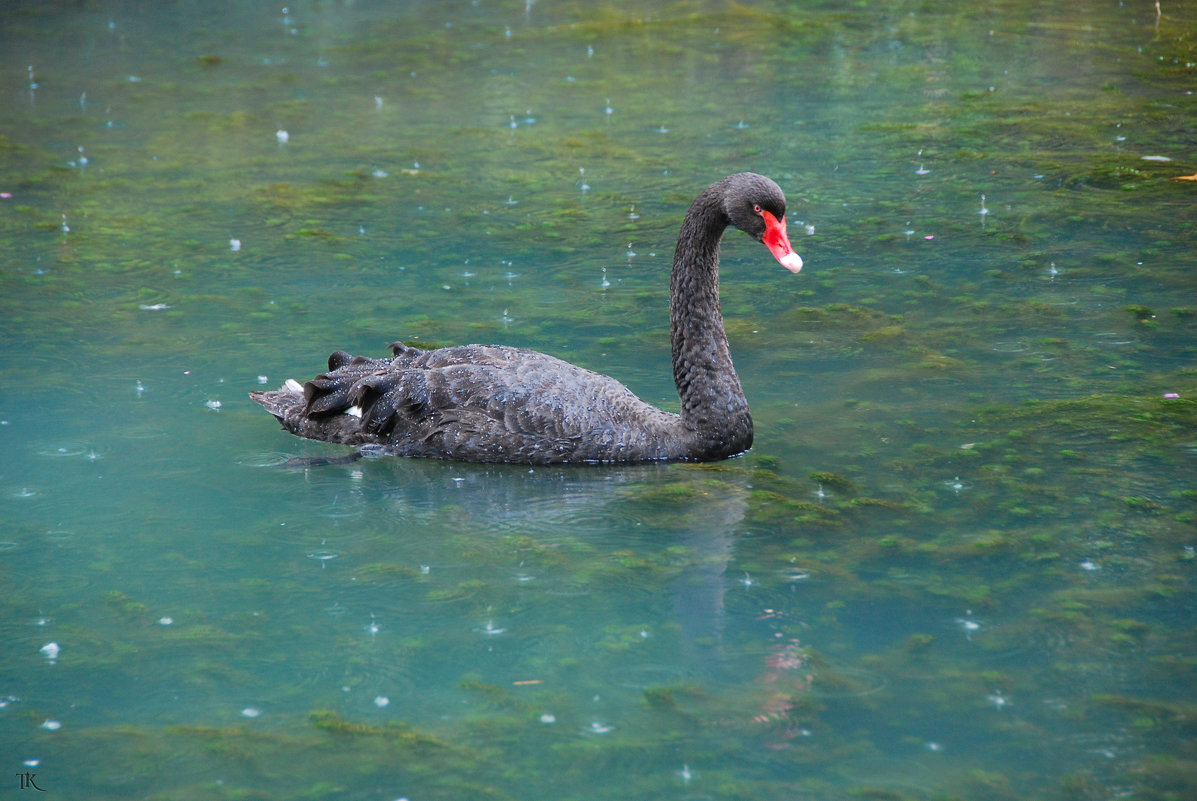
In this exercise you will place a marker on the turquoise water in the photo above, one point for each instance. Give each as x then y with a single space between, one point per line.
958 562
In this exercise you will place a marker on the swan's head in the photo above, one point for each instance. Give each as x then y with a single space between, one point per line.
756 206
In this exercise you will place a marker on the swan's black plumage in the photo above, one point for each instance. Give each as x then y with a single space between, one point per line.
490 403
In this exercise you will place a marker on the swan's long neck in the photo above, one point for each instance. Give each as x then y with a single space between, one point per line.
714 409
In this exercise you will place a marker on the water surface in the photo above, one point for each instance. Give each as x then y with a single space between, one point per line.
958 562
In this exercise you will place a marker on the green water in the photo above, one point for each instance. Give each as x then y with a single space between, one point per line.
957 564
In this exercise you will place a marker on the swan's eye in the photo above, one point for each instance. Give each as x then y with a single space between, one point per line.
756 208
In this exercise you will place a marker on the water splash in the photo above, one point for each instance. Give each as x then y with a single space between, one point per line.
968 626
922 170
490 629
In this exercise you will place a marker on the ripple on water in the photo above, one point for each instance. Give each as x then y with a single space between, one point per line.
834 682
548 519
320 534
489 629
796 575
373 668
1104 274
341 509
59 535
1060 301
329 517
610 519
262 459
335 496
566 587
144 431
1064 299
1070 436
1114 339
640 677
164 705
323 555
323 546
622 574
64 449
451 591
886 772
941 381
1000 643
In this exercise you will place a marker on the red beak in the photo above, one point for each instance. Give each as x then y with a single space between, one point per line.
779 244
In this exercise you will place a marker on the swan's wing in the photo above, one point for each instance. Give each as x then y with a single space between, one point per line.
475 403
476 412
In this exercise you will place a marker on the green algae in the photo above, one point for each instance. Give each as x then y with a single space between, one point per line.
834 482
382 571
776 509
396 733
873 390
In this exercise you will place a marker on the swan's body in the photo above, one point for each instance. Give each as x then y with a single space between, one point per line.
489 403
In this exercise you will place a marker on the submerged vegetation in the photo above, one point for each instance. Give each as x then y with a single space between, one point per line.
958 562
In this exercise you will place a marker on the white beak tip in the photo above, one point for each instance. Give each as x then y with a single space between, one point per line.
792 262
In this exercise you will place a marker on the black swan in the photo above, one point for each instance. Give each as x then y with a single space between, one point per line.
490 403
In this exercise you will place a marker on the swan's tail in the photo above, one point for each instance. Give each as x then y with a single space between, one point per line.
339 405
282 400
290 407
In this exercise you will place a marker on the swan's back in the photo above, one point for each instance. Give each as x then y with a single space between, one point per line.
478 403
